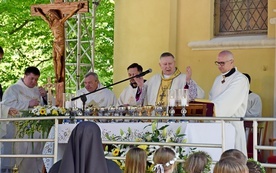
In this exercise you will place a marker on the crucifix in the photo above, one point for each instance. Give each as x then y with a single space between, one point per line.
55 15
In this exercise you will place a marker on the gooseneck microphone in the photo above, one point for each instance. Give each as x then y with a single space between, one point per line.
144 72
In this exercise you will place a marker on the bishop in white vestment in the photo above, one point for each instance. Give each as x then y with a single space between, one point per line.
229 95
171 78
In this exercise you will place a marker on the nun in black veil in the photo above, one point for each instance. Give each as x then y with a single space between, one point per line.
84 152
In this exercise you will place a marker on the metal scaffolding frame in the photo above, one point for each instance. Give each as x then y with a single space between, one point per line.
79 46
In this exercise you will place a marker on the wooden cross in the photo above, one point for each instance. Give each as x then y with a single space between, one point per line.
55 15
65 7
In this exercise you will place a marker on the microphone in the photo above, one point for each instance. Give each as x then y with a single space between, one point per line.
144 73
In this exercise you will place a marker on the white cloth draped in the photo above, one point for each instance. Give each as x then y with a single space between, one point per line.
230 99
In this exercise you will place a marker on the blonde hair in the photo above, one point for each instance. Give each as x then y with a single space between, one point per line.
136 161
164 156
198 162
230 165
237 154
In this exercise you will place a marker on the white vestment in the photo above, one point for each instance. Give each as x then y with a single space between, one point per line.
18 97
230 100
178 82
101 98
254 106
128 96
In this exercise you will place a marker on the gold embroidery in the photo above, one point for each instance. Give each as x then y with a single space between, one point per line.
161 99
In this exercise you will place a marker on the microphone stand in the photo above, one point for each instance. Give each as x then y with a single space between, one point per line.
83 99
83 96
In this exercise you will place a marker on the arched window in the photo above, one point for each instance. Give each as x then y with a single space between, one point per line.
233 17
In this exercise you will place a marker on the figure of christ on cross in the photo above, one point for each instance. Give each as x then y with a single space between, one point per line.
56 20
55 15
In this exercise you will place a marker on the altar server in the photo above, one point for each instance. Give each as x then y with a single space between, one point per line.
101 98
24 95
229 94
171 78
134 94
254 104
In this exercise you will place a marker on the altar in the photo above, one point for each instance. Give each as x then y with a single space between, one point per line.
197 133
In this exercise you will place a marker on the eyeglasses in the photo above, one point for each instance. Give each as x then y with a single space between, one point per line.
222 63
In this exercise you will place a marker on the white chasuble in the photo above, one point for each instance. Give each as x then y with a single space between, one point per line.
230 100
128 96
178 83
101 98
18 96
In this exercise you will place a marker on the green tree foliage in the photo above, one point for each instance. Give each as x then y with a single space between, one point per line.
27 41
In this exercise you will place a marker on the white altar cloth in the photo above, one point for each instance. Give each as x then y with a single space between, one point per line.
207 133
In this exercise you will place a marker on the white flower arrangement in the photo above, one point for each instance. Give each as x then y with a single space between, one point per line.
30 126
156 135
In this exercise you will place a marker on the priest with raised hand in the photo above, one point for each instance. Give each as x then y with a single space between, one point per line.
171 78
229 94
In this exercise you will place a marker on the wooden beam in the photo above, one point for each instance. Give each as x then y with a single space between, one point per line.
65 8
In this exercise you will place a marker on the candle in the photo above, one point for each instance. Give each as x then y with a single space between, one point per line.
63 99
68 104
183 101
49 98
172 102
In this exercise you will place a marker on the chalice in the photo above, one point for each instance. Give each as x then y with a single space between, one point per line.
139 111
111 110
121 110
132 110
149 109
159 111
101 112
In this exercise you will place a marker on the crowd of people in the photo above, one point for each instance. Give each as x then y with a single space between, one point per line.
84 153
231 87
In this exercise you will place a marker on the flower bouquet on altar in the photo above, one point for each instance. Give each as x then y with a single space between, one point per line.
155 135
28 127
